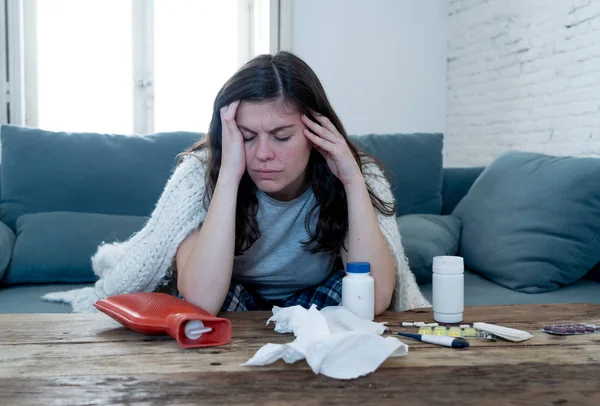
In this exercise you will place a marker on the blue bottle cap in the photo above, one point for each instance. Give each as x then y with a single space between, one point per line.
358 267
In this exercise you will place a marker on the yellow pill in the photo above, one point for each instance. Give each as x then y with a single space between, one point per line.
439 331
454 332
425 330
469 332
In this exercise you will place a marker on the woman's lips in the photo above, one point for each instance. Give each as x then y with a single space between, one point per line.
266 173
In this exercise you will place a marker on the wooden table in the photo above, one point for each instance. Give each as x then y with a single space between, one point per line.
90 359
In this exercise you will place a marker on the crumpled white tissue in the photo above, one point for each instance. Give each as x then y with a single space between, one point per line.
334 342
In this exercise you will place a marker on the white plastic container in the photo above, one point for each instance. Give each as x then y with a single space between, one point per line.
448 289
358 290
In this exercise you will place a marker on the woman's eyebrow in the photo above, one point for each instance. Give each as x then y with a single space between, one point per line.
272 131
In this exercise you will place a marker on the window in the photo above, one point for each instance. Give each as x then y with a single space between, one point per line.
188 76
136 66
82 65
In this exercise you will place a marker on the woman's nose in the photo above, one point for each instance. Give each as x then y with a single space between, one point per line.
264 151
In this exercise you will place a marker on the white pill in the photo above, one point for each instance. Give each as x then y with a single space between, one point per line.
465 326
407 324
432 324
420 324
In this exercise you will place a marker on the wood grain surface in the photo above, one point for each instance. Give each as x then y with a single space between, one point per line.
91 359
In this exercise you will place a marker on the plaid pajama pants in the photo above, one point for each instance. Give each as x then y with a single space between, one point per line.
329 293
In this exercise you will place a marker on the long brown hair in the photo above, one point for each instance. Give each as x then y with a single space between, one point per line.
286 77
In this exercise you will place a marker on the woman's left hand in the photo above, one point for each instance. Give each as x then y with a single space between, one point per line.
328 141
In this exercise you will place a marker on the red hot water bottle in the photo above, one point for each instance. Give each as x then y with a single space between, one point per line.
159 313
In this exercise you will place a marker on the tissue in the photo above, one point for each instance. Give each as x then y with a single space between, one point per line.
334 342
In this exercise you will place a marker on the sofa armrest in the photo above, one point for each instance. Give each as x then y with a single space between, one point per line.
456 184
7 242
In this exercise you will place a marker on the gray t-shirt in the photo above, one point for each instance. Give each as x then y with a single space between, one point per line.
277 265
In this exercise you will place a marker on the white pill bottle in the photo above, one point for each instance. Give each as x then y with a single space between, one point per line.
358 290
448 289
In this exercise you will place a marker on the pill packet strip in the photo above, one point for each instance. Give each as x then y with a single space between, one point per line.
570 329
463 330
451 331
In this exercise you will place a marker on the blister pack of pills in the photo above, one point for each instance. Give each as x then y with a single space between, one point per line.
570 329
464 330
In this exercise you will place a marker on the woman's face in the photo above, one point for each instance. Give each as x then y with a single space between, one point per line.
277 151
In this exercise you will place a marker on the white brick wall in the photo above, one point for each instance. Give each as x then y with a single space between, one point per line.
522 74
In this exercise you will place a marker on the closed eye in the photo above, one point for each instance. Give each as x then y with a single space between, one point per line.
279 138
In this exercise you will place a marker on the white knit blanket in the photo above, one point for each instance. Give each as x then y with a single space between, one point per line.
144 261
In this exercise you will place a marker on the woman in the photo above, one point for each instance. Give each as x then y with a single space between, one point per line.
257 213
287 195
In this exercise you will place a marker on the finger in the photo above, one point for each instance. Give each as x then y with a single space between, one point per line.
228 119
233 107
317 129
319 142
231 126
326 122
225 121
228 112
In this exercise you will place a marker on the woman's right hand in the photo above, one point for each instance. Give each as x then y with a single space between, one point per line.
233 159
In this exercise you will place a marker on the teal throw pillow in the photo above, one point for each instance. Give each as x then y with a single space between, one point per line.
56 247
7 241
531 222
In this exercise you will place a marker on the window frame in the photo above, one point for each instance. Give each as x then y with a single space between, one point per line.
12 103
18 93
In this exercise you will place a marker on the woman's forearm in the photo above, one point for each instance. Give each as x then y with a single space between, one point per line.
365 243
205 258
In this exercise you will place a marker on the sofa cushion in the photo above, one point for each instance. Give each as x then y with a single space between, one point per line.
45 171
413 164
425 236
531 222
457 182
57 247
27 298
7 242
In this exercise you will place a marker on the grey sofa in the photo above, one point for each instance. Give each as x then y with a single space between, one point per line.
60 189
